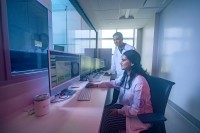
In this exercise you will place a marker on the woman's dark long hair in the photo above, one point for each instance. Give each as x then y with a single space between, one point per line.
135 58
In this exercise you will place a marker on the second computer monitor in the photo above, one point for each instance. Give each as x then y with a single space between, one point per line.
93 65
102 53
99 64
86 63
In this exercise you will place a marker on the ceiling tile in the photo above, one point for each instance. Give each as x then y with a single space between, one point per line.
146 13
128 4
108 4
155 3
106 13
111 14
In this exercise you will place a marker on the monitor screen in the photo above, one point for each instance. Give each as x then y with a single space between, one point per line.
102 53
99 64
63 70
102 63
85 65
93 65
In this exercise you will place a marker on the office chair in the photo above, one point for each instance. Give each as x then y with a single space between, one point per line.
160 90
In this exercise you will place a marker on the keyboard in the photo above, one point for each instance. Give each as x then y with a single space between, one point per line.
79 83
84 95
102 73
95 77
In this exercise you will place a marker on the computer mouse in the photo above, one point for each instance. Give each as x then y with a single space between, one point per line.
106 73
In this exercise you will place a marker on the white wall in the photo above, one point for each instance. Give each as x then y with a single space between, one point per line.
147 45
179 45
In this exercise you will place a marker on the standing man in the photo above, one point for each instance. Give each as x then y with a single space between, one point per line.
120 48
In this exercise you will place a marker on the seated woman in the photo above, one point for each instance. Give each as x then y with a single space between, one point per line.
134 97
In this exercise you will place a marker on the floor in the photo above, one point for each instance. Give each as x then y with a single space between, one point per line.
176 123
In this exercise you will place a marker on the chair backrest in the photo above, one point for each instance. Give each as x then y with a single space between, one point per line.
160 90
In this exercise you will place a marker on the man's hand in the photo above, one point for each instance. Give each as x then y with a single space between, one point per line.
91 85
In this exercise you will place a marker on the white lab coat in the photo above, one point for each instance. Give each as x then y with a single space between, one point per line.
116 67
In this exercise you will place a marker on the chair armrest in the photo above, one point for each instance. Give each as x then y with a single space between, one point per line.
152 118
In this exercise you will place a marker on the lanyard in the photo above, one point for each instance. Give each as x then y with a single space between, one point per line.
126 85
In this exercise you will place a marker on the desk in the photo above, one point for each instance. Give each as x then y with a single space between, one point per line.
69 116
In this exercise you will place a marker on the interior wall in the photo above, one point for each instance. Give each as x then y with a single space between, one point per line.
16 96
147 45
179 48
138 41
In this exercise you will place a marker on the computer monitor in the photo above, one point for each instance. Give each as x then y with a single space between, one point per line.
63 70
93 64
99 64
102 53
102 63
85 66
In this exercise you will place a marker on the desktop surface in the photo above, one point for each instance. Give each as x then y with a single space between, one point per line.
69 116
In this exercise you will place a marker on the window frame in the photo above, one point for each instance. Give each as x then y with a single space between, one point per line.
124 38
84 16
6 77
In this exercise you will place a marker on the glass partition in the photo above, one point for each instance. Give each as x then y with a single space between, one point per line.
70 30
28 35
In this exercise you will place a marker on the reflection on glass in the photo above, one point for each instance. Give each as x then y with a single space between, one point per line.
28 35
70 29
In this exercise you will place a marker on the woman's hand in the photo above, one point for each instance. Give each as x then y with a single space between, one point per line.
91 85
114 112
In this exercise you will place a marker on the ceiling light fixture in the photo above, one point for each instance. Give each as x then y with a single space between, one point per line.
127 13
